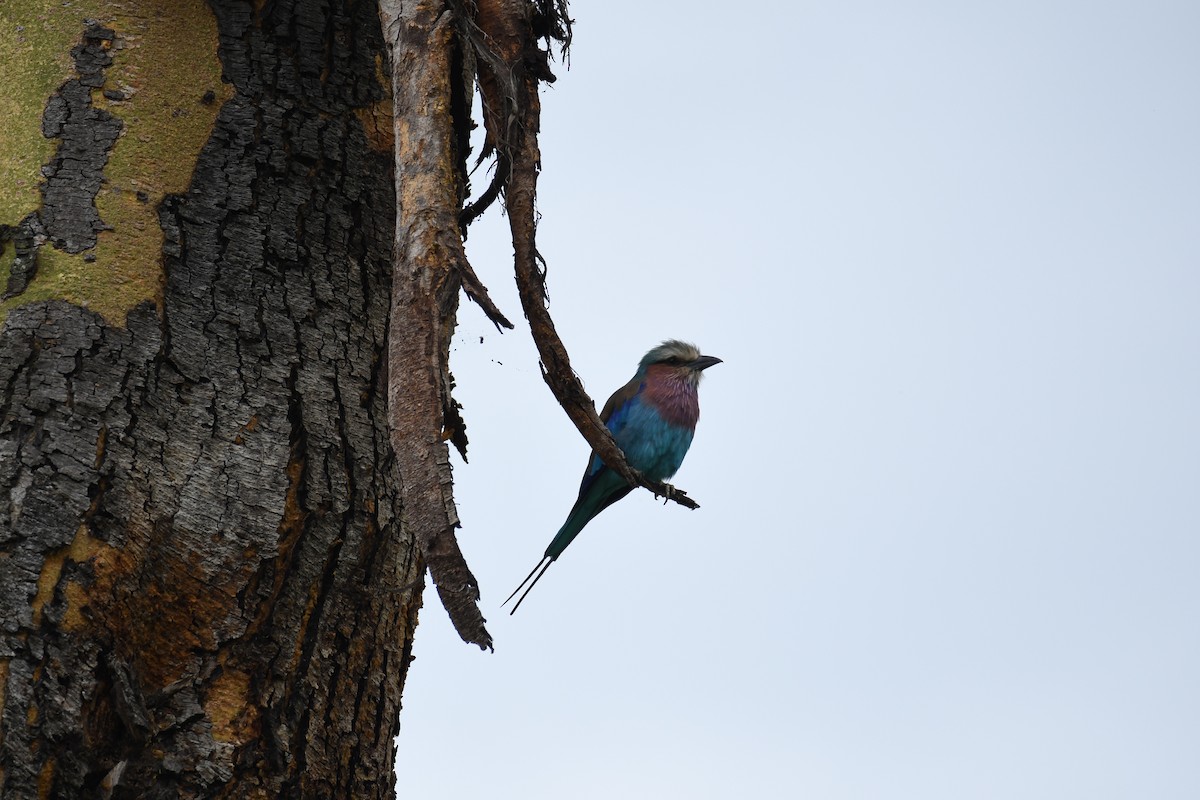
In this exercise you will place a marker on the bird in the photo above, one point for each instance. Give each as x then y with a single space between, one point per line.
653 419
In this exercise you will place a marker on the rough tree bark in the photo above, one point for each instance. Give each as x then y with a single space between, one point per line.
206 588
231 251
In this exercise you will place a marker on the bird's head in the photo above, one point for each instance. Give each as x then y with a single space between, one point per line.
681 358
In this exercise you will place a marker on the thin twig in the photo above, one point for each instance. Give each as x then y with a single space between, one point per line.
473 210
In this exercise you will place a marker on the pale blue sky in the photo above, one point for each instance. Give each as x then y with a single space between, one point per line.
949 543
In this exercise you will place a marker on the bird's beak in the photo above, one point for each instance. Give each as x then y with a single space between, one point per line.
704 362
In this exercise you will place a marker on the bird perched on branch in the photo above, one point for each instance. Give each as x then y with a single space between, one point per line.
653 419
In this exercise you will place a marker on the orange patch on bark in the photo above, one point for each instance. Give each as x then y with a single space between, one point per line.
229 707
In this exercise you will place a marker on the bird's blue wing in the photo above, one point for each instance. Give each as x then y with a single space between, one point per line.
616 410
614 415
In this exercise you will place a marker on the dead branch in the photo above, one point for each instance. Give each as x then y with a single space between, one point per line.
509 29
474 210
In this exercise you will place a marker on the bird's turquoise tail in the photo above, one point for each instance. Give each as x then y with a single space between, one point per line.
607 488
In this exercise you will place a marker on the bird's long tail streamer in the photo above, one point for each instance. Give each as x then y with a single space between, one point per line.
542 565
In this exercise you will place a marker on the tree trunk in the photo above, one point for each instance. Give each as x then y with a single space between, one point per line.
205 586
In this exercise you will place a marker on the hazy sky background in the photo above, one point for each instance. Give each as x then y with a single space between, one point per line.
949 543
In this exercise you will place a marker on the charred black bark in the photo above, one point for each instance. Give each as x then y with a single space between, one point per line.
86 135
25 238
68 216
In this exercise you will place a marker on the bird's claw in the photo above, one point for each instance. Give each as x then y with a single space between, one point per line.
665 491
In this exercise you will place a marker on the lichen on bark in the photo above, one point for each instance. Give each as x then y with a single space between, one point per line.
111 129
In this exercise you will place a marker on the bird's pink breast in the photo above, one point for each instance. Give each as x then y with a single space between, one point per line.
670 392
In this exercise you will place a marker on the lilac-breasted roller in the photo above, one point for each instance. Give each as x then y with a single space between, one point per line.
653 419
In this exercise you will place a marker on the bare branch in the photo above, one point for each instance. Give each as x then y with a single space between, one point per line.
510 33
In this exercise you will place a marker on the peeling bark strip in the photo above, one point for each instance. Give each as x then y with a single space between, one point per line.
205 586
425 284
85 134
